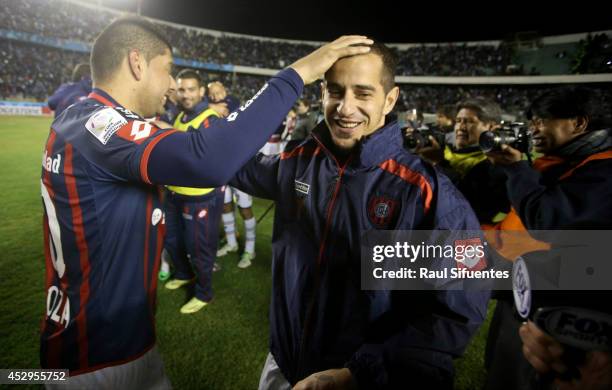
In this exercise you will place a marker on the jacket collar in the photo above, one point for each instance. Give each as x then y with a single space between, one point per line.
576 150
370 151
103 97
585 145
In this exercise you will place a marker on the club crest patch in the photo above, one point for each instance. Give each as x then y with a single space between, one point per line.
467 256
381 210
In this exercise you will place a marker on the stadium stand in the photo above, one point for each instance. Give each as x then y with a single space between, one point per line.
36 34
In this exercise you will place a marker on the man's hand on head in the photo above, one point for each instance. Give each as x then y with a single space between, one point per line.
506 156
335 379
314 65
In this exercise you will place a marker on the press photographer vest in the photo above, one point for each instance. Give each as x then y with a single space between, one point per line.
510 237
195 123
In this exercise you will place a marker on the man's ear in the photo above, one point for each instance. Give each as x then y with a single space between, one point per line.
202 91
391 99
581 124
136 63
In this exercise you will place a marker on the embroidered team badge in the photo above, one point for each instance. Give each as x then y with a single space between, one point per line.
470 258
381 210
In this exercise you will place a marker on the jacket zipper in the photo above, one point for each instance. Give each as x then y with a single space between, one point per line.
311 306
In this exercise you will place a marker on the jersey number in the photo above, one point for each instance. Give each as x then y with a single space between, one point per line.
55 239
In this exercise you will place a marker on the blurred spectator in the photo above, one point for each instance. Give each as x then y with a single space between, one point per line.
306 120
218 94
70 93
171 107
445 121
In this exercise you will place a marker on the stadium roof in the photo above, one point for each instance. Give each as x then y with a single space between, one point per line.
389 21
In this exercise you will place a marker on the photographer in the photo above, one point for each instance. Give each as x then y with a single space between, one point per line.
445 121
482 184
569 186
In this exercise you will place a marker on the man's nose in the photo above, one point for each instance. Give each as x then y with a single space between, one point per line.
347 105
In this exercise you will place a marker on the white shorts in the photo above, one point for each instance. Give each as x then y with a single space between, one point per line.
146 372
271 148
272 377
242 199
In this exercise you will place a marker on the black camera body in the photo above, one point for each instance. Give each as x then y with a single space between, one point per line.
513 134
419 138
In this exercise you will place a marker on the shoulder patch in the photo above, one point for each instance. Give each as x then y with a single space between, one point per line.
382 210
104 123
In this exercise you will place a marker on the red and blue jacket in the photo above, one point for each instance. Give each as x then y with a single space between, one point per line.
104 223
320 318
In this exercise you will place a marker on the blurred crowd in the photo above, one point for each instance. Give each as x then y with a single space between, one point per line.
56 18
33 72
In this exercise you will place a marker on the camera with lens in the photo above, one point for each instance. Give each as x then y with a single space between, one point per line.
419 137
514 134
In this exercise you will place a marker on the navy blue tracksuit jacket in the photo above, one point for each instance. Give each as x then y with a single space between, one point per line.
320 318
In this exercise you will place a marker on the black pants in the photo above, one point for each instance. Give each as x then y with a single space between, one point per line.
507 368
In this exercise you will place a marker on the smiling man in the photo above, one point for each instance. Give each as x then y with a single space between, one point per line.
349 176
482 184
192 214
103 221
568 187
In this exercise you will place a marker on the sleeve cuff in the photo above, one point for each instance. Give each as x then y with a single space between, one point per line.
291 77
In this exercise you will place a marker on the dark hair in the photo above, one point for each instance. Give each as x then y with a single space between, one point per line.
571 102
118 38
190 74
486 110
389 60
447 110
80 72
304 101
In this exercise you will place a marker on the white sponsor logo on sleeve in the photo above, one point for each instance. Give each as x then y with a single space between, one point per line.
156 216
104 123
232 117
